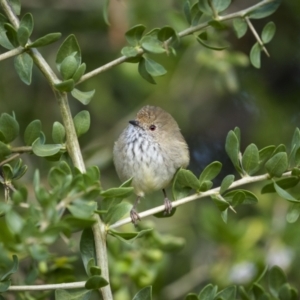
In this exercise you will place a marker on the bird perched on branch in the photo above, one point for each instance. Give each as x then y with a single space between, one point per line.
150 150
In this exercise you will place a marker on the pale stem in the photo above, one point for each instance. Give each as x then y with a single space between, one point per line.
257 36
12 157
11 53
45 287
215 191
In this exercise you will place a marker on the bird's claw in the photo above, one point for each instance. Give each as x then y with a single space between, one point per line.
168 206
134 217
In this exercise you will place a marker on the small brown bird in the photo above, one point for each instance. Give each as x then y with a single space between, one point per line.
150 150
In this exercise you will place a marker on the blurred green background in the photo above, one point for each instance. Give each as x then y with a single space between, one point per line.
208 93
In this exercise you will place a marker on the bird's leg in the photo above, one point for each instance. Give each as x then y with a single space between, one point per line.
168 204
133 213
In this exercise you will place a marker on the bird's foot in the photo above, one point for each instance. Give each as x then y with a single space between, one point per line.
168 206
134 216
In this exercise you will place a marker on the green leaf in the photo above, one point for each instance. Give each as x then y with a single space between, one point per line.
276 280
127 183
265 153
14 222
232 147
95 270
210 172
203 37
9 127
23 64
82 122
16 6
284 194
12 270
25 29
4 150
129 236
250 159
43 150
32 132
178 190
121 192
284 183
154 68
69 47
255 55
45 40
7 172
277 164
268 32
163 214
219 5
284 292
130 51
191 296
105 12
250 198
22 35
208 292
4 41
65 86
134 34
79 72
294 294
77 224
243 294
228 293
185 178
226 183
58 133
11 34
166 33
240 27
220 202
117 212
265 10
258 290
224 216
196 14
68 67
293 213
83 97
152 44
57 178
72 295
217 25
95 282
205 186
143 71
187 11
4 285
280 148
144 294
238 198
87 247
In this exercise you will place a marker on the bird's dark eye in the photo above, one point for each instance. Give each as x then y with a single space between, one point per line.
152 127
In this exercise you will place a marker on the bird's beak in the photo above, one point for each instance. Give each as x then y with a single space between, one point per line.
134 123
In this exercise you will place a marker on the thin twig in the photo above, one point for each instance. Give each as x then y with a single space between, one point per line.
47 287
12 157
11 53
152 211
22 149
257 36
